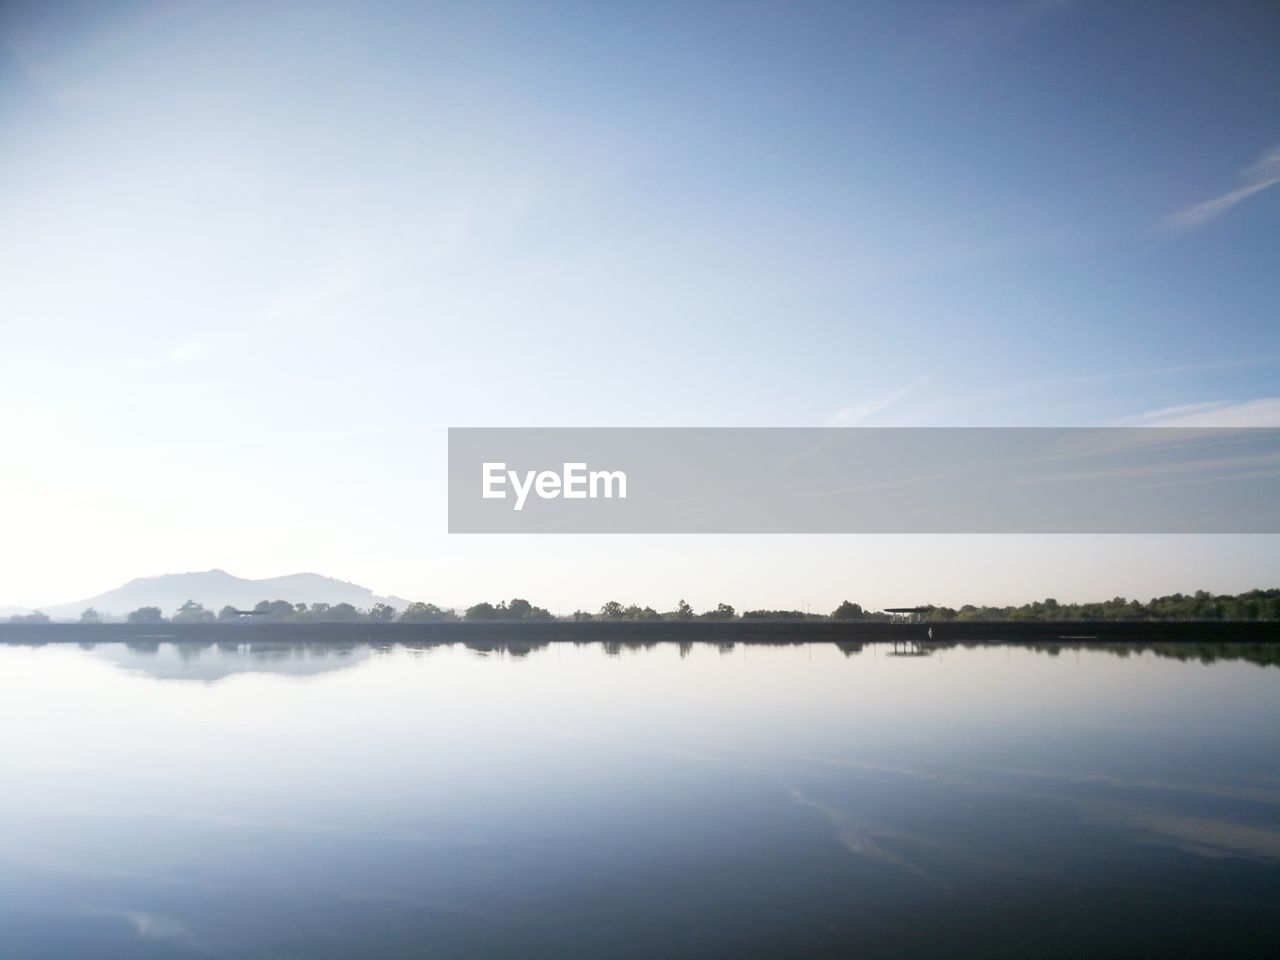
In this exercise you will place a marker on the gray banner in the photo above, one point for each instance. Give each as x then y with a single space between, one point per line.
857 480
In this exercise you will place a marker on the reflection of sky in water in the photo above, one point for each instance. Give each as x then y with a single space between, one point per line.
313 801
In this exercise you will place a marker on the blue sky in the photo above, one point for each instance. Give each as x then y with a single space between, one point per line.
255 258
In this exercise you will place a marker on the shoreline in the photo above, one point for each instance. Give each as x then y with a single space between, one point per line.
674 631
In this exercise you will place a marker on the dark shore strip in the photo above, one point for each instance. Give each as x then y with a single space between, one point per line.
647 632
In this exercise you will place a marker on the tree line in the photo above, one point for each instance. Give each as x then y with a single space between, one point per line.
1201 605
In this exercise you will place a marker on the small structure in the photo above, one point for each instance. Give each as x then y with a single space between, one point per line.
907 614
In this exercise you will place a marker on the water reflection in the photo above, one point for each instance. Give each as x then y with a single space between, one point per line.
215 661
169 659
317 799
911 648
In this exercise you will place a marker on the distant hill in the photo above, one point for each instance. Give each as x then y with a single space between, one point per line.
216 589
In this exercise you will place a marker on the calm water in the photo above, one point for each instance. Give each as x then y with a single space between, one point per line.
577 801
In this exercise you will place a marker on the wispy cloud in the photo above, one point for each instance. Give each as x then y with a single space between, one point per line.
854 415
1201 835
1071 381
1155 821
1260 412
858 839
155 927
1260 175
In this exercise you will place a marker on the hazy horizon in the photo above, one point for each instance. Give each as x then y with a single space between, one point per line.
805 604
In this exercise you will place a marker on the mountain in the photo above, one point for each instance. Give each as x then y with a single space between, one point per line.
216 589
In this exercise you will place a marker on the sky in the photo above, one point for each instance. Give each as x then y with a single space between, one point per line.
256 258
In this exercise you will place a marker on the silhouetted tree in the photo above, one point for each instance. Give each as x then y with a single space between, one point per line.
482 611
90 615
274 610
382 613
524 610
146 615
635 612
722 612
515 610
418 612
192 612
35 616
848 611
342 613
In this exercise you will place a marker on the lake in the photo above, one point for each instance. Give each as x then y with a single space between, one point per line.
325 800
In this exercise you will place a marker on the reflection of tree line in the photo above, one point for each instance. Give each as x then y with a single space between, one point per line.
1263 654
628 634
190 649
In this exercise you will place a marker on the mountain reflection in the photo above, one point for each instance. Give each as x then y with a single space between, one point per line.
208 662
